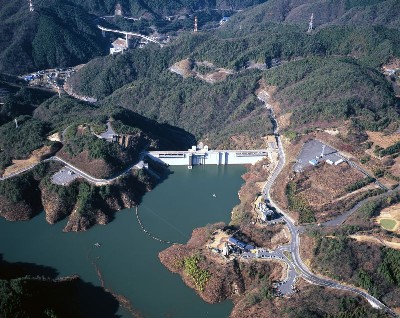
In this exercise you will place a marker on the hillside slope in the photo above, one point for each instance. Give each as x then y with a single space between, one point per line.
157 8
345 71
341 12
56 34
321 91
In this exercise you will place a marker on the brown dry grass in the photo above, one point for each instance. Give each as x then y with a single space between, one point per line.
245 141
97 168
36 156
371 186
395 169
218 76
327 183
306 249
185 69
382 140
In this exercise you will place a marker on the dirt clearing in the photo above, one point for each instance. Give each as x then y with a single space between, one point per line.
382 140
36 156
389 218
375 240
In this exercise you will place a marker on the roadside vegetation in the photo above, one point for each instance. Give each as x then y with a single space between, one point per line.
372 208
359 184
371 267
296 202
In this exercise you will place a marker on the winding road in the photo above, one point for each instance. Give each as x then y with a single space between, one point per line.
82 174
295 238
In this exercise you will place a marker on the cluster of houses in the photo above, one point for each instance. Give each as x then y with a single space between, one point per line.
33 76
52 78
233 246
265 212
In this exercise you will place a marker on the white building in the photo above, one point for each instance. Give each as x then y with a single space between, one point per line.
119 45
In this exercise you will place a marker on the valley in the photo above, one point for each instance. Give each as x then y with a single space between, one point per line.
305 93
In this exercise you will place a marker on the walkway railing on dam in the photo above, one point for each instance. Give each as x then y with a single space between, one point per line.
171 155
251 153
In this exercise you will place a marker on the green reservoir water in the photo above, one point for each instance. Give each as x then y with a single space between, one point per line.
128 258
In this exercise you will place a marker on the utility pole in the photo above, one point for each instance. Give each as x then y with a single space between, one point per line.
311 24
323 150
195 24
31 8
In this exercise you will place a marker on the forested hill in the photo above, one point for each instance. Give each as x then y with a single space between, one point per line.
56 34
158 8
341 63
338 12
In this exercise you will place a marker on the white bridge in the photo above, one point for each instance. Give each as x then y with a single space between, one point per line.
126 33
194 157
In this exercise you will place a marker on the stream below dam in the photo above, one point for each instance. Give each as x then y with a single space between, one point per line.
128 258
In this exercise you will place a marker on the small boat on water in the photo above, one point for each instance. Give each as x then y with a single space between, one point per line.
214 195
97 244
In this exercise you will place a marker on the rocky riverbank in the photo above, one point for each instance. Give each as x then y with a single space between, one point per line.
84 204
228 279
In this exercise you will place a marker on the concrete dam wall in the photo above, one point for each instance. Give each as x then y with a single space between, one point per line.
208 157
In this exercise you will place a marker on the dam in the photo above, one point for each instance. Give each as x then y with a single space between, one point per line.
203 156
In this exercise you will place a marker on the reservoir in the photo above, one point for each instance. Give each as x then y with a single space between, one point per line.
127 257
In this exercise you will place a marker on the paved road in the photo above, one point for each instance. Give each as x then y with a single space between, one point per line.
79 172
91 179
109 133
343 217
295 238
287 286
19 172
363 171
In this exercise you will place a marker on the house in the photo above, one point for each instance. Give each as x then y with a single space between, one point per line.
334 162
237 243
119 45
313 162
264 212
223 20
118 10
338 162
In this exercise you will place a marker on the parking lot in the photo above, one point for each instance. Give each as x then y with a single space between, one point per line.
313 149
64 177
